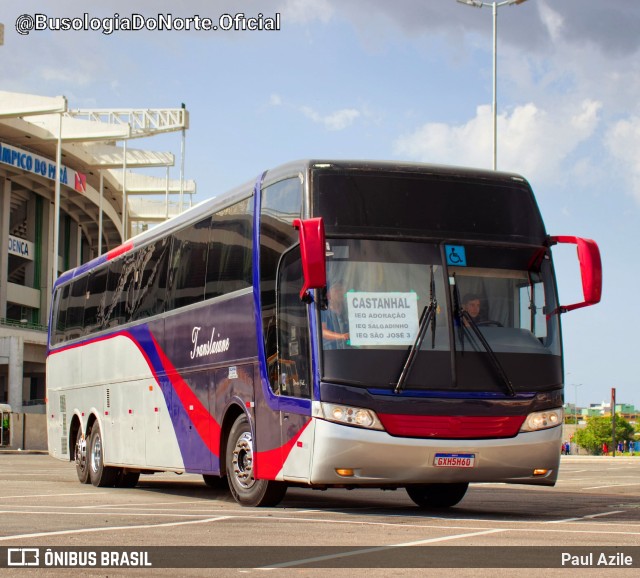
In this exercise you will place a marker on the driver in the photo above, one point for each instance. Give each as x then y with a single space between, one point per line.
471 304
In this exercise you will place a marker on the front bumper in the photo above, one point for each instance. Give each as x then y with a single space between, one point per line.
378 459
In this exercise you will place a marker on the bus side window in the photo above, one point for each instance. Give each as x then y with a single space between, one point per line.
281 204
151 282
229 259
96 286
115 295
187 272
60 322
293 329
75 311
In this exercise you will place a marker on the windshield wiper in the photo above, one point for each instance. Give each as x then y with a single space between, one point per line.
427 317
463 315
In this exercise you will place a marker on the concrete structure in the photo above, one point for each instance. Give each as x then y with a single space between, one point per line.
67 195
28 431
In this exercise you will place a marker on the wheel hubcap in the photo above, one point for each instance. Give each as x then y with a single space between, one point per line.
96 454
81 453
242 461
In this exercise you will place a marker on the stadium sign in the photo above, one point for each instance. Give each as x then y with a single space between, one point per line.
41 166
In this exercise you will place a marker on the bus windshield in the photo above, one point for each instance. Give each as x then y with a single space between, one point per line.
377 291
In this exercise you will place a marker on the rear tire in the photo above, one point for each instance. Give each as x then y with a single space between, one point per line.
437 495
101 475
240 458
82 463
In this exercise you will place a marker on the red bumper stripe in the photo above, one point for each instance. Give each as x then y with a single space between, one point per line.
451 427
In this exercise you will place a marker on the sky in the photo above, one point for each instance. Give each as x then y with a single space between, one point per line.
407 80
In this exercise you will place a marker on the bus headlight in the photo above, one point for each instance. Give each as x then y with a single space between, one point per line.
348 415
543 419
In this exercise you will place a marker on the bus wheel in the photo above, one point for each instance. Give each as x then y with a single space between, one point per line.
126 479
437 495
216 482
82 464
100 474
246 490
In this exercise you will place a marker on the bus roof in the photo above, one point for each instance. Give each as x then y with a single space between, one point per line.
298 167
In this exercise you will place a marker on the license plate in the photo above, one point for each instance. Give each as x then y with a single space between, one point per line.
454 460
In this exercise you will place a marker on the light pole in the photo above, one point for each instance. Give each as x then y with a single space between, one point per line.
494 107
575 399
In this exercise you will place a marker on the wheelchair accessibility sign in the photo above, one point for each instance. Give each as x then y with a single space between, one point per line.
456 255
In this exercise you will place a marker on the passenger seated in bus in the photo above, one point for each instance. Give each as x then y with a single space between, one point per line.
335 323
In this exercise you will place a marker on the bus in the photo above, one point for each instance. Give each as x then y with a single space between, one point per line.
208 343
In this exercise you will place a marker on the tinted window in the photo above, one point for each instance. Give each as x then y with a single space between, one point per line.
113 311
229 258
62 297
75 311
96 287
427 206
150 280
293 375
281 204
188 265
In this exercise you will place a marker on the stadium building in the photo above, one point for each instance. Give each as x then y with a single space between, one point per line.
70 190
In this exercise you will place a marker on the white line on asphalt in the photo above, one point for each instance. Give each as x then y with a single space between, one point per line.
140 505
625 528
52 495
588 517
108 529
611 486
624 525
26 474
377 549
528 523
99 513
235 514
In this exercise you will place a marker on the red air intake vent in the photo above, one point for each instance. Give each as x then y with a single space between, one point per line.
451 427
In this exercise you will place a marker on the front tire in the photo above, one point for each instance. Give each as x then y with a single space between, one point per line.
437 495
101 475
82 463
240 459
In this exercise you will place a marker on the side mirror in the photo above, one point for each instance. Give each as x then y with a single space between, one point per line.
590 270
313 255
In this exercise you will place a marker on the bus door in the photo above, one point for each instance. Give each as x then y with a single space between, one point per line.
290 373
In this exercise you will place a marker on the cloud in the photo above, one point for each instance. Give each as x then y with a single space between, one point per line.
531 140
612 26
623 142
551 20
305 11
338 120
334 121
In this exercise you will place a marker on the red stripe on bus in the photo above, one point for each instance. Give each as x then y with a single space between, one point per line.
120 250
206 426
269 463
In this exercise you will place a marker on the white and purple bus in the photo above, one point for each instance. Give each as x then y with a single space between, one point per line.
334 324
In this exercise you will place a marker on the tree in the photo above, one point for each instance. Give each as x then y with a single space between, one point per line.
599 431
